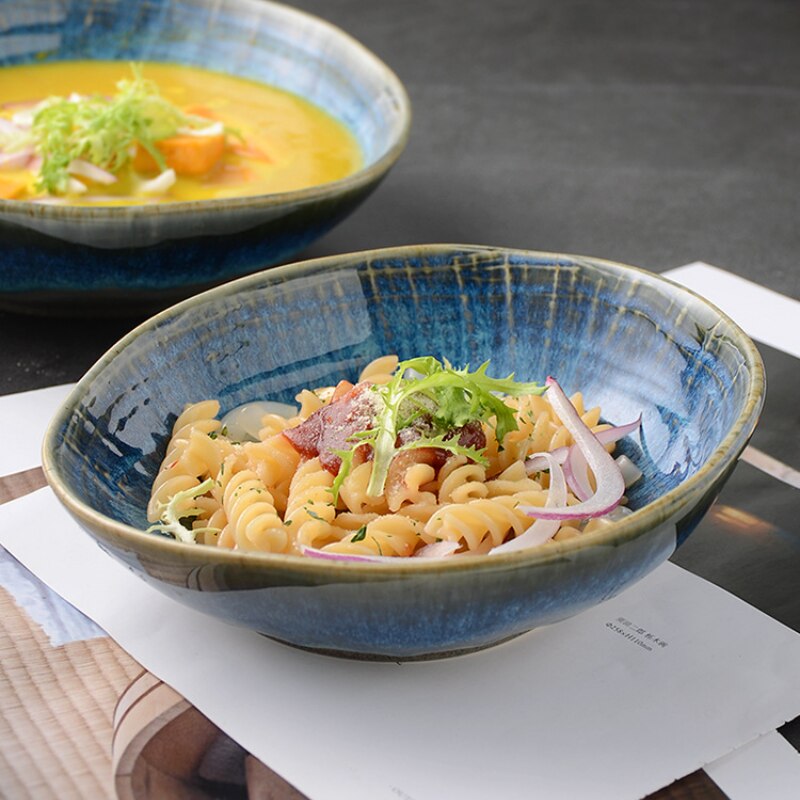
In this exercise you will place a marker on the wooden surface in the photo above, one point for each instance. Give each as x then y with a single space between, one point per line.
83 720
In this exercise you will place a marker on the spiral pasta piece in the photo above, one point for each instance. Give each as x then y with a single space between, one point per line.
461 481
192 455
409 488
200 415
387 535
471 522
310 495
379 370
273 424
512 480
253 523
274 461
312 401
421 512
266 496
353 492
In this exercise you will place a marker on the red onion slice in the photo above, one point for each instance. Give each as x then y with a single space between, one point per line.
536 463
315 552
610 484
542 529
576 471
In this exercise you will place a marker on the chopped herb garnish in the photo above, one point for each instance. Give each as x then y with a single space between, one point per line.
360 534
176 516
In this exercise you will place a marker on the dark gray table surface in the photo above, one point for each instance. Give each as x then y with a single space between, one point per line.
653 133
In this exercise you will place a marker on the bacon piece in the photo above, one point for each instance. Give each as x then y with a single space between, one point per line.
395 486
352 409
469 435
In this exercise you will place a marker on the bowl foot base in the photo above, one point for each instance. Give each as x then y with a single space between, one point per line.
384 657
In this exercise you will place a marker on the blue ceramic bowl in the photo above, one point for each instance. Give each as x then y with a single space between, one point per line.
116 260
630 340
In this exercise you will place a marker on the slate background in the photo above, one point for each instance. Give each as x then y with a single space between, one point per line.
653 132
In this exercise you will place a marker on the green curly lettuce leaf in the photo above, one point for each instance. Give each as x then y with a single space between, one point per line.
180 508
103 131
448 398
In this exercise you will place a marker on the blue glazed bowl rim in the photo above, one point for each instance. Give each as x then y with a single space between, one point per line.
365 175
637 524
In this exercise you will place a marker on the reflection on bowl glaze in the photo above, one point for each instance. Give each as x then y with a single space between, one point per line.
77 259
631 341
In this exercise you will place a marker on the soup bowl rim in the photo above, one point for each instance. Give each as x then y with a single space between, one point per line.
366 174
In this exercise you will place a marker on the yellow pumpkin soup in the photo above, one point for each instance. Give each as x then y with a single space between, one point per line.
110 133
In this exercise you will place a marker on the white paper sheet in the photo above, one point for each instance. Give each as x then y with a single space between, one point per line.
766 769
614 703
26 416
767 316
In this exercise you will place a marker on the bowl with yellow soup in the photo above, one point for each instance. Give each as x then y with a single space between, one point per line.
149 150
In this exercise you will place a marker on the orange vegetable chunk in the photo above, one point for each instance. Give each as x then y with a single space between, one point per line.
10 188
187 155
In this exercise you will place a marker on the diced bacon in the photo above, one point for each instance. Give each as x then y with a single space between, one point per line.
342 388
352 409
470 435
395 488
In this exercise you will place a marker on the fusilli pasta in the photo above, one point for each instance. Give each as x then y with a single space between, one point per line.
295 491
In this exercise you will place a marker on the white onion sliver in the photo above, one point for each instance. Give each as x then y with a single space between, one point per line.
610 484
74 186
23 119
18 160
160 184
542 530
85 169
244 422
630 472
214 129
620 512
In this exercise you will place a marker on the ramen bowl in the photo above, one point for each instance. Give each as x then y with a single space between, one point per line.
109 260
632 342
